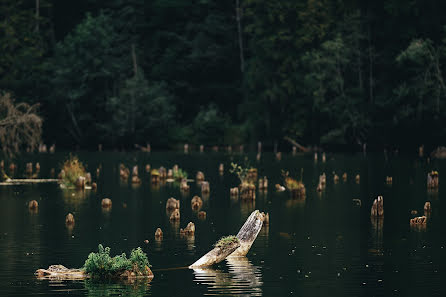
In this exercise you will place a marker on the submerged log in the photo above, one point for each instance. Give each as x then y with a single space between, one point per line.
60 272
27 181
234 245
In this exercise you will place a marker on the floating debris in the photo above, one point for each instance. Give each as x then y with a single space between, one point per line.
357 202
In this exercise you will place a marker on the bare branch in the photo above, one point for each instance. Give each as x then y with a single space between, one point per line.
20 125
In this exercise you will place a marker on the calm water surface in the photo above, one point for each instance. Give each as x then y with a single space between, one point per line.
323 245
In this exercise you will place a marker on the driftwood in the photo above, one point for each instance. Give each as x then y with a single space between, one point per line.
60 272
246 236
26 181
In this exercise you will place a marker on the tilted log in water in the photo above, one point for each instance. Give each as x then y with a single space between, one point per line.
216 255
246 236
248 233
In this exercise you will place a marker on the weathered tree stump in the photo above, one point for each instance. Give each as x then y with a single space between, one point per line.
172 204
247 191
377 207
158 233
432 180
189 230
196 203
201 215
199 177
205 189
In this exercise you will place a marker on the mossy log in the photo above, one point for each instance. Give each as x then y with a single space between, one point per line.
248 233
246 236
216 255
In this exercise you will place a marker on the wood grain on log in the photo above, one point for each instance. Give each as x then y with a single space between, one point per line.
248 233
216 255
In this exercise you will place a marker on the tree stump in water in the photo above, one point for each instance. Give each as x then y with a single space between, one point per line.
234 245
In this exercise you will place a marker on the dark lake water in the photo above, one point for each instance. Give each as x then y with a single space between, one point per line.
323 245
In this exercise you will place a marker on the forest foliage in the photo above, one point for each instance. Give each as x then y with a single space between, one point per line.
330 73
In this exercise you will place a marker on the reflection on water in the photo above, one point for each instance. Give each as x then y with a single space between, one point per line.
135 288
138 288
242 279
317 246
377 235
247 207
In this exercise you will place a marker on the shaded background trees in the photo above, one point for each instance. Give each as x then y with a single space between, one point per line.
329 73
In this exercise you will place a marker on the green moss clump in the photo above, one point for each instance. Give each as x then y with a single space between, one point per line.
72 169
101 265
224 241
292 184
180 174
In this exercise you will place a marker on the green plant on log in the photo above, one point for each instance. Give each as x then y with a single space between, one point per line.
102 265
73 169
242 173
225 241
180 174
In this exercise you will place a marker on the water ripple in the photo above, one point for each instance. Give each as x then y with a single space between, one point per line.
242 278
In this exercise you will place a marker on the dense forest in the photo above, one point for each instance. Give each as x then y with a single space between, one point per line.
329 73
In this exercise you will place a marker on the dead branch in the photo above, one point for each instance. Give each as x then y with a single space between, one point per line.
20 125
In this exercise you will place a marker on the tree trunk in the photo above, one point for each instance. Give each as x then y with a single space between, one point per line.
238 14
370 66
37 15
135 65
